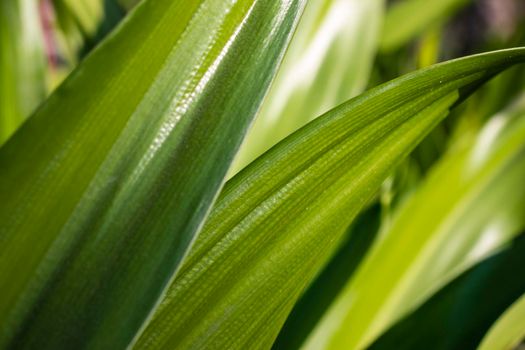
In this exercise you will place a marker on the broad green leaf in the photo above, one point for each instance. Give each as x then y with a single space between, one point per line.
509 331
309 309
22 63
279 220
328 62
469 206
105 186
459 315
406 19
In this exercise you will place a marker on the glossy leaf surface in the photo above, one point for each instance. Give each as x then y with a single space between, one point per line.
105 186
468 207
279 220
329 61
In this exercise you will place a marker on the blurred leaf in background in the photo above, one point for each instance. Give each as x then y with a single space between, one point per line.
466 208
22 63
328 62
509 330
458 315
408 18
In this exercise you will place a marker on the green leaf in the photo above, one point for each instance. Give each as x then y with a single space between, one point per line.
458 315
469 206
408 18
105 186
128 4
509 331
22 63
279 220
82 24
324 289
329 61
93 17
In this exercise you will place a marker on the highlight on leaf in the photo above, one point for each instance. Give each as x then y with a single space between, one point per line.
256 174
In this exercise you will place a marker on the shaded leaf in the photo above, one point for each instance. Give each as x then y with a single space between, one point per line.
509 330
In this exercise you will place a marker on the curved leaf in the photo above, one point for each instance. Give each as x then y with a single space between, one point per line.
509 331
309 309
279 220
469 206
105 186
329 61
458 315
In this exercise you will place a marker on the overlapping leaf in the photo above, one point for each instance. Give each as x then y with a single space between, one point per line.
468 207
105 186
312 305
277 222
329 61
509 330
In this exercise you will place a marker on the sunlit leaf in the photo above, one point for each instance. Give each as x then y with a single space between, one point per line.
468 207
279 220
458 316
321 293
105 186
328 62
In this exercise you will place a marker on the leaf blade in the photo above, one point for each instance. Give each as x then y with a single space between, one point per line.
276 222
475 190
118 168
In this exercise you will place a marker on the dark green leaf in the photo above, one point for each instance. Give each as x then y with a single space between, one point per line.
105 186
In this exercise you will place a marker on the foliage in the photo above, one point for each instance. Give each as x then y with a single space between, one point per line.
261 173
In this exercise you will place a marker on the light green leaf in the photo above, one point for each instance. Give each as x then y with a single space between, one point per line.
22 63
279 220
93 17
105 186
459 315
408 18
328 62
509 331
309 309
469 206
